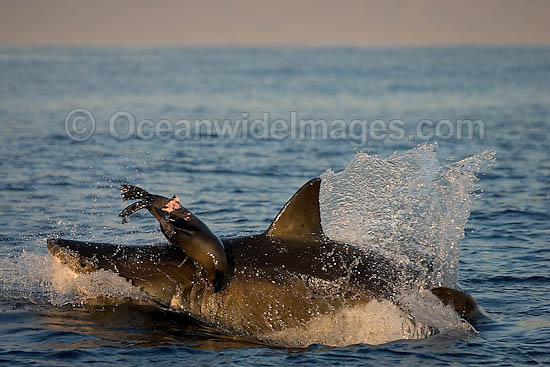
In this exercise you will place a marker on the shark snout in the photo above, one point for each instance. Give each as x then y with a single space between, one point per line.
68 253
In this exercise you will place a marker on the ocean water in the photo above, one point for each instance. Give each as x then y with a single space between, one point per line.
477 203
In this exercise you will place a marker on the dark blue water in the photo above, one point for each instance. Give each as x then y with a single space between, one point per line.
52 185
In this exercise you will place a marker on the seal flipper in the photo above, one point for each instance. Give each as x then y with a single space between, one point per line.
147 201
131 209
300 218
130 192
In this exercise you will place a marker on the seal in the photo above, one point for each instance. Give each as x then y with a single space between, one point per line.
278 279
183 229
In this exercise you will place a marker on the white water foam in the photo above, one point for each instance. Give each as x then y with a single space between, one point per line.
376 322
38 278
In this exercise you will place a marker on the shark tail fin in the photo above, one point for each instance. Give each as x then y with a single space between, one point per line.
464 304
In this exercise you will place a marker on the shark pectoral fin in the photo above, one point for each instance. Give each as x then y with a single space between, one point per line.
300 218
464 304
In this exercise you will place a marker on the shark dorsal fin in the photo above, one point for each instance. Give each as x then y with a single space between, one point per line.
300 218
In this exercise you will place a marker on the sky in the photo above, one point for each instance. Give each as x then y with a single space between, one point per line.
274 22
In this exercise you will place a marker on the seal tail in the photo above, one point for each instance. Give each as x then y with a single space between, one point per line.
130 192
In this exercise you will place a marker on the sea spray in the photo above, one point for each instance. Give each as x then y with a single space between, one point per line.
408 206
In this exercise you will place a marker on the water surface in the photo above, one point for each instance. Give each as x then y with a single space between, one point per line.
51 185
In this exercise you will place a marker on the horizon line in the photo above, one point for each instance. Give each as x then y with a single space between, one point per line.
277 45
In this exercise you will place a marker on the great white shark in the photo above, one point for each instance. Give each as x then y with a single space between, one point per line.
281 278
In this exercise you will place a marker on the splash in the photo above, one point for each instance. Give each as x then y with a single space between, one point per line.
411 208
38 278
376 322
408 206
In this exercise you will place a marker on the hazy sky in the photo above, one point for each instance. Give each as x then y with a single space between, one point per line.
249 22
